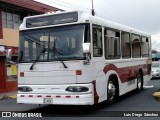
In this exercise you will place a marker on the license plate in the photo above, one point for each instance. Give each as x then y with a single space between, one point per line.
48 100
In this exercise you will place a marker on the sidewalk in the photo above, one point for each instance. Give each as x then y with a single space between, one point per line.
8 95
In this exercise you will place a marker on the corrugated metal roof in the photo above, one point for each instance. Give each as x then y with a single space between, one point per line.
30 4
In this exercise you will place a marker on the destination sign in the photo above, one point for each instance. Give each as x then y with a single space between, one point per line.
52 20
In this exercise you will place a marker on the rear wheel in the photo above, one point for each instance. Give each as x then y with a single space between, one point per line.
112 91
139 82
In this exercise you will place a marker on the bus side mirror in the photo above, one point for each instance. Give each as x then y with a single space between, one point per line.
9 55
87 52
86 48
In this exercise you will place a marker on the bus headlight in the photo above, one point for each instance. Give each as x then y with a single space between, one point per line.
25 89
77 89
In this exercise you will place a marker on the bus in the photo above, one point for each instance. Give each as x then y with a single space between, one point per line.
156 56
74 58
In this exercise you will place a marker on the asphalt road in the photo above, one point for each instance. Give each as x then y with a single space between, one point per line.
133 102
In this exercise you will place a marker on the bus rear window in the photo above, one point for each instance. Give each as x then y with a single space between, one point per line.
52 20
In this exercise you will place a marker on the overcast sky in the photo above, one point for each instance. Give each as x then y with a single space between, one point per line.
140 14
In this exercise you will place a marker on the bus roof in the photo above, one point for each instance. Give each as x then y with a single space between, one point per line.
110 24
85 17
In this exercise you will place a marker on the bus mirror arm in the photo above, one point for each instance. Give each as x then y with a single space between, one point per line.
87 59
86 52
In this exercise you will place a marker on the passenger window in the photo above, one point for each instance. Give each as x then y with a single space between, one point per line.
126 47
145 47
97 41
112 44
136 49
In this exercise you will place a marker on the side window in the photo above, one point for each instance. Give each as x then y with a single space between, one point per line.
126 47
136 46
97 41
145 47
112 44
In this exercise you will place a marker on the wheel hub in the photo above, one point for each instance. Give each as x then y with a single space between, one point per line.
111 90
139 81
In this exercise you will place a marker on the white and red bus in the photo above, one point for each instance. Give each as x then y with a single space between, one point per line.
73 58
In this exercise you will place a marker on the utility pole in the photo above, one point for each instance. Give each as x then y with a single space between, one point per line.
92 10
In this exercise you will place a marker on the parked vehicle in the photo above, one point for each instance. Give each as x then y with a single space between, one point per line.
155 69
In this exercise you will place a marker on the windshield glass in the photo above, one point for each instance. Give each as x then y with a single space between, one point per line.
155 64
52 43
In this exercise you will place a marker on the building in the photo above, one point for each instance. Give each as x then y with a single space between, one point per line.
156 42
12 13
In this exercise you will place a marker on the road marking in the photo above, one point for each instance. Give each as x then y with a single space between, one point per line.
148 86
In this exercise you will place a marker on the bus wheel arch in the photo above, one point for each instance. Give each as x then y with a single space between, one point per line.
112 88
140 80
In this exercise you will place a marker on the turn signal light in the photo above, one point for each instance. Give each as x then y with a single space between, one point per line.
21 74
78 72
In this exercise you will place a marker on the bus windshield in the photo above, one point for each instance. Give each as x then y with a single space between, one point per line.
54 43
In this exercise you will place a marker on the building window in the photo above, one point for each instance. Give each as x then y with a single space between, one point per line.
10 20
16 21
4 19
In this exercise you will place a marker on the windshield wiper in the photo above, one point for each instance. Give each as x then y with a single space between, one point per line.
43 51
64 65
57 54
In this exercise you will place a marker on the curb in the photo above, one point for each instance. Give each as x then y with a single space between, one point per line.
8 97
13 97
157 96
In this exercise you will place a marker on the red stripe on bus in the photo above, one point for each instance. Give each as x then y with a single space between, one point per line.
96 97
127 73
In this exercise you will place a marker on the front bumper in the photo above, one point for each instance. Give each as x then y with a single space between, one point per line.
86 99
56 94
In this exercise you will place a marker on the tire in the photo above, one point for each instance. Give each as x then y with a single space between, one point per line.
139 82
112 91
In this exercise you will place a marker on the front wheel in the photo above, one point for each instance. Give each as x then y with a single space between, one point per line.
112 91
